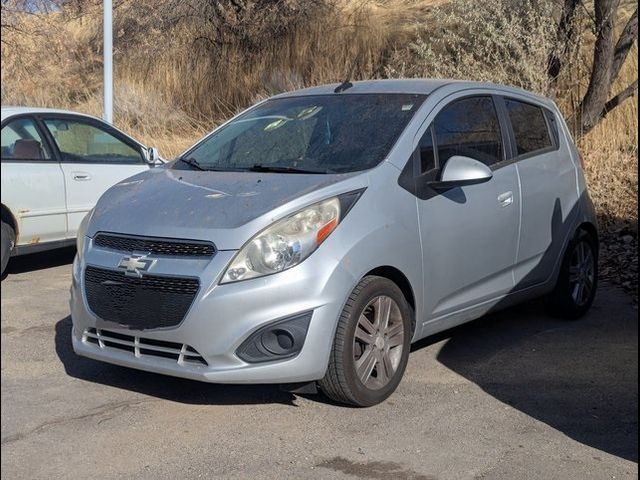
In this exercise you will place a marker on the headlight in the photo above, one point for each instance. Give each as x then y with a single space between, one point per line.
289 241
82 232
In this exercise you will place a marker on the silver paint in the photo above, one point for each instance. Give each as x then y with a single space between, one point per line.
463 252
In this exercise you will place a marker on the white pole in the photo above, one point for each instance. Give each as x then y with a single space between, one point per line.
107 66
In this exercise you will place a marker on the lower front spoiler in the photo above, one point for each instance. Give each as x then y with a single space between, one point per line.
283 371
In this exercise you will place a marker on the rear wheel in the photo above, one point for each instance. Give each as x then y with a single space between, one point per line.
578 280
7 241
371 346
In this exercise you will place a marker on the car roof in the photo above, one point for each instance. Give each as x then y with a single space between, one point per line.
10 111
418 86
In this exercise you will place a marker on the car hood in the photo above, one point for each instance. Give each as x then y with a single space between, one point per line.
226 208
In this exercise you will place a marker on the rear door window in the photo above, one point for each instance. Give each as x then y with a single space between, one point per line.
21 140
469 127
529 127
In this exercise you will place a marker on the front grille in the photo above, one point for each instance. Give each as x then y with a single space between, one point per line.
181 353
156 246
139 303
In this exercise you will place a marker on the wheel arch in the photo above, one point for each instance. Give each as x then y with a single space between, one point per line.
403 283
9 218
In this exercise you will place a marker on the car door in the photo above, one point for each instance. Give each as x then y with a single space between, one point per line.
94 157
32 183
469 234
549 190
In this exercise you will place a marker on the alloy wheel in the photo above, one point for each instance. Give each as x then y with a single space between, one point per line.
582 273
378 342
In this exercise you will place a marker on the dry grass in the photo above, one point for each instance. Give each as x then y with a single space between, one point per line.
171 82
171 87
611 149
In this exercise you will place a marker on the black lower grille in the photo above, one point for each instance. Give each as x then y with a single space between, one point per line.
156 246
151 301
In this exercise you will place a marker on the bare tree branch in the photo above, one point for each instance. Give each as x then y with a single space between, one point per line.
627 38
564 35
597 93
628 92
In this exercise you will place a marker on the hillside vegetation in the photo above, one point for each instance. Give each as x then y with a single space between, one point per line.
183 66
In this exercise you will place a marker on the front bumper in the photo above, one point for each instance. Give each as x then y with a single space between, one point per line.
223 316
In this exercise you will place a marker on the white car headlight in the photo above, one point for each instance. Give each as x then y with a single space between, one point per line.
289 241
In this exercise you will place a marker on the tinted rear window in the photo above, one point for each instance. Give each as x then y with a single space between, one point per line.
529 127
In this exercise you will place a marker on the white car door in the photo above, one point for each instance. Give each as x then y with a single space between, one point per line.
32 183
94 157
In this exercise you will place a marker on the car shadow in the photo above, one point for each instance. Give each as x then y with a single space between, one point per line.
41 260
160 386
579 377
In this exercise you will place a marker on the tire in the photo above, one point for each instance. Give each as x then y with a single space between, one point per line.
7 241
377 350
577 283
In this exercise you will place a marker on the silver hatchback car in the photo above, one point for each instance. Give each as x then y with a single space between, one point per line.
312 238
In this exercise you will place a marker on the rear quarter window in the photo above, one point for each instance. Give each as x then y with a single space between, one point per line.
530 127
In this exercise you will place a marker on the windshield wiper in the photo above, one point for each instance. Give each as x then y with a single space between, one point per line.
276 169
192 162
197 165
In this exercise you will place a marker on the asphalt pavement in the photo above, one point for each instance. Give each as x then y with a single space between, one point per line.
515 395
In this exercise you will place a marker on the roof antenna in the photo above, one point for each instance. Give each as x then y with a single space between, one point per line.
347 84
343 86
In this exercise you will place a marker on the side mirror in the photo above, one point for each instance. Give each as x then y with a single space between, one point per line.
152 156
461 171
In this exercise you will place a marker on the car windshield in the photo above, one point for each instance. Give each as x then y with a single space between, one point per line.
307 134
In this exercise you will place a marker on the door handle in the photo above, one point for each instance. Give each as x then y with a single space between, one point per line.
81 176
505 199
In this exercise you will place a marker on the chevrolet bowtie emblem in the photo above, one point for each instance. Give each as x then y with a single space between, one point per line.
134 265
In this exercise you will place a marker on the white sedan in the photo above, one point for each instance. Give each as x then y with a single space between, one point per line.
55 166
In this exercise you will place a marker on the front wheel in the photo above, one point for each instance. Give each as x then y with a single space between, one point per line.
577 283
371 345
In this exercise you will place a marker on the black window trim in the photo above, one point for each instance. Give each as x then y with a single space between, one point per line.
555 140
552 125
46 141
41 117
416 156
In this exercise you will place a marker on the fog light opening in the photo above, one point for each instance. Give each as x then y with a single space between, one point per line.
285 340
276 341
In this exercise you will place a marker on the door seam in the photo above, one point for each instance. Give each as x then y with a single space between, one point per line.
520 211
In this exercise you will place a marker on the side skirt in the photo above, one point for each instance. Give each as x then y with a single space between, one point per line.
41 247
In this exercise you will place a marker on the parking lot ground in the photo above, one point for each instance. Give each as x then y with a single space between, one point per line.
515 395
